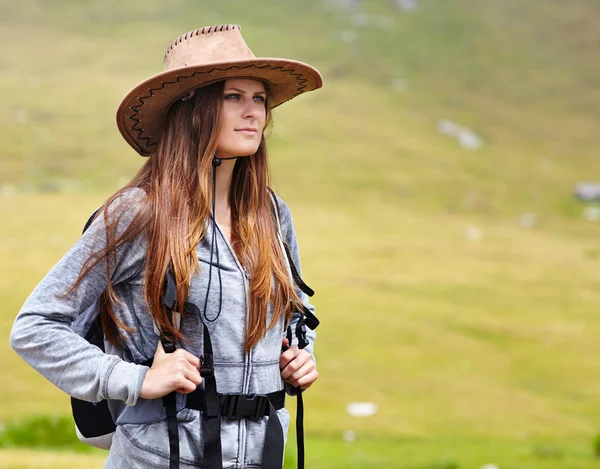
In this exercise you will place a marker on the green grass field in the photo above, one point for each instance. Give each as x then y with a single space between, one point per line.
475 336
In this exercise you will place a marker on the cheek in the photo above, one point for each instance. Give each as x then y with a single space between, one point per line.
262 119
227 120
226 127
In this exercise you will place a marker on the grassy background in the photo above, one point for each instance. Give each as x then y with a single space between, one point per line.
475 351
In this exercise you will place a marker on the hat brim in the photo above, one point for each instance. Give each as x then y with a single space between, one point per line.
142 111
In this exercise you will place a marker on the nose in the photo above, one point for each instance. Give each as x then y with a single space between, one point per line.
253 110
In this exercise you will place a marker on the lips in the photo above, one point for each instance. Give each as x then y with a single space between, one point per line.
247 131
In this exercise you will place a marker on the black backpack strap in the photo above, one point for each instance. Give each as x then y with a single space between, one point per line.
170 400
274 442
93 419
170 403
300 429
169 298
215 406
96 419
300 332
295 275
211 417
91 219
307 318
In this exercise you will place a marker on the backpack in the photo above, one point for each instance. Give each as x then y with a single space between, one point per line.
94 424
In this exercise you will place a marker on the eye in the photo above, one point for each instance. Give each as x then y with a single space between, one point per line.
232 96
261 99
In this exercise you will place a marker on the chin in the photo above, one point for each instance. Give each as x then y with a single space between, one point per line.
244 151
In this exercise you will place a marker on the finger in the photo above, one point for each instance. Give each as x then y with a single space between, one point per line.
289 368
193 375
285 342
288 356
193 372
296 364
307 380
301 372
187 388
159 350
190 358
185 382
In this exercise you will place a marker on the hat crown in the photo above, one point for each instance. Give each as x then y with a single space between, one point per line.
223 43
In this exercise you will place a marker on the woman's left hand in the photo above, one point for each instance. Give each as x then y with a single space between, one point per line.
297 367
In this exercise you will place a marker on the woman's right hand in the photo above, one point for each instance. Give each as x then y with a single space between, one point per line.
177 371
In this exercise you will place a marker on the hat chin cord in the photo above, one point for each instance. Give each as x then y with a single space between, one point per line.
214 247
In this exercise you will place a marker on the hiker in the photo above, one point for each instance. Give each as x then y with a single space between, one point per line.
192 270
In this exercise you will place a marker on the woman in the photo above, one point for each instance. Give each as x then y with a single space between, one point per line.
199 212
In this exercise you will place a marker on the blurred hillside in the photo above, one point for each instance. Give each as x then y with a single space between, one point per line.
521 75
431 182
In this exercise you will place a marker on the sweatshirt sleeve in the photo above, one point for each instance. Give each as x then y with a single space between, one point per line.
289 233
41 333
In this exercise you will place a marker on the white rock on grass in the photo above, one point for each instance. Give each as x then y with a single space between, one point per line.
587 191
473 233
407 5
469 140
447 127
466 137
489 466
592 214
361 409
528 220
7 191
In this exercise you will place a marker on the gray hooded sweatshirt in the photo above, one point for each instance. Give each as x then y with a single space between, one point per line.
43 337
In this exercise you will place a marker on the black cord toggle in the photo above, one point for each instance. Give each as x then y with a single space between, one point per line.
301 333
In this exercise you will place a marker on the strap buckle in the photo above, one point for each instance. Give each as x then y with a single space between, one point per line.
168 343
207 369
239 406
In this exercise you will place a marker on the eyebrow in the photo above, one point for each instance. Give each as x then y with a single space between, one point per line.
245 92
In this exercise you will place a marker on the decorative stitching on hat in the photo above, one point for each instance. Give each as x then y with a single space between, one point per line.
187 35
145 149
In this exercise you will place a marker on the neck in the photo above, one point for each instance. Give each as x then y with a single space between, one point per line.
223 180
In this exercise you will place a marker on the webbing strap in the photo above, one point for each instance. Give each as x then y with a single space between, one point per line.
170 291
238 406
295 275
172 429
300 334
170 400
300 430
294 271
211 417
274 442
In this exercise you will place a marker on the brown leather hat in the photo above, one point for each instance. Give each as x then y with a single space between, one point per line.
195 59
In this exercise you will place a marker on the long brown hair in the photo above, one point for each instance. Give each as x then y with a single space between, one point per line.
177 181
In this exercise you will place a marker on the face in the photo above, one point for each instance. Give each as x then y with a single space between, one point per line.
242 118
